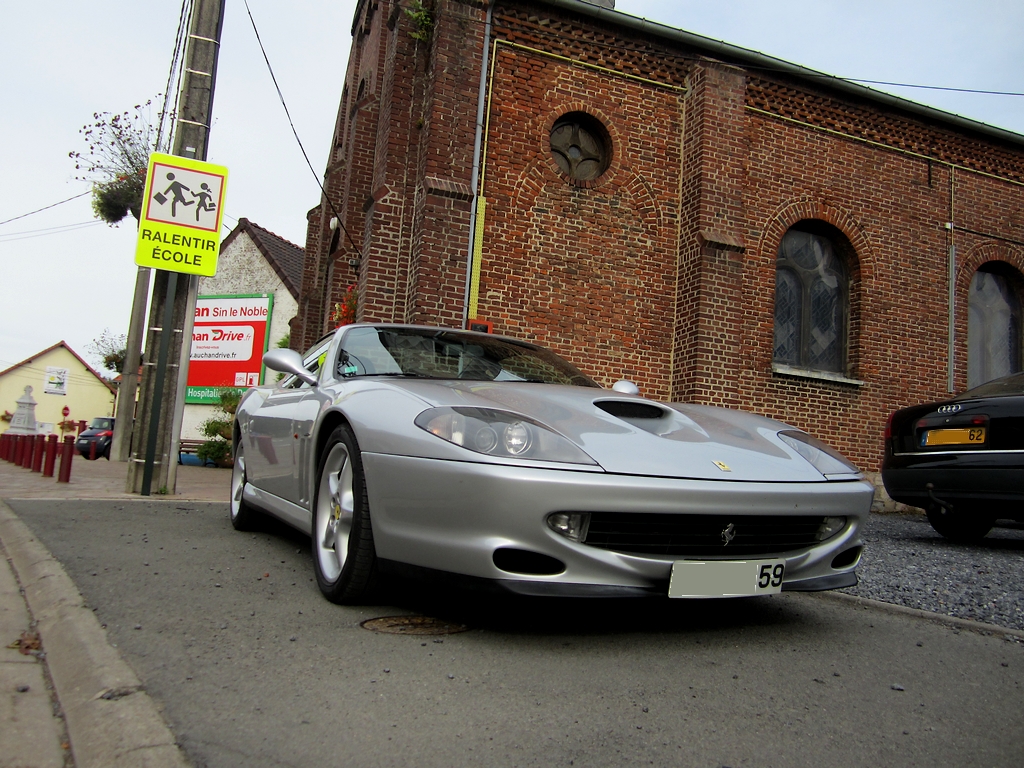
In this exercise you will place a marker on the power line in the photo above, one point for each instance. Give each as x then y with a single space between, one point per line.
619 45
76 377
296 134
46 207
932 87
9 237
48 229
168 113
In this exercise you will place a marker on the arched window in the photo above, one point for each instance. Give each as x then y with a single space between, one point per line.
812 301
993 324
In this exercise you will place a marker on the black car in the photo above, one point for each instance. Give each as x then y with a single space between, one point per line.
962 459
100 432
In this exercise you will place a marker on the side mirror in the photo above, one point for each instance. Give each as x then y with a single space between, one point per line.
288 361
624 386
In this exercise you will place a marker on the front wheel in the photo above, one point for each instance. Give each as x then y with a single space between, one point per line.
965 524
243 516
344 556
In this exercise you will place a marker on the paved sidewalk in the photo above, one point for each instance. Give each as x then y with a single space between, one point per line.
66 696
102 479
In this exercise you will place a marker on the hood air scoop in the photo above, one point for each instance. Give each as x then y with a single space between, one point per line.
631 409
646 416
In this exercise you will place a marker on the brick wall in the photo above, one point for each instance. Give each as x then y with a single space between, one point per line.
663 269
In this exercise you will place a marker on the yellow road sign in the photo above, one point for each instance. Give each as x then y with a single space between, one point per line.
181 214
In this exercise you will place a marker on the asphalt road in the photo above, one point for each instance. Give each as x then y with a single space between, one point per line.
253 668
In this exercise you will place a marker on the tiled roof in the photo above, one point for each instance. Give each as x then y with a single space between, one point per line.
285 257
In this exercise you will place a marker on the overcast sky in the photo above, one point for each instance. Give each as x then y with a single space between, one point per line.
65 59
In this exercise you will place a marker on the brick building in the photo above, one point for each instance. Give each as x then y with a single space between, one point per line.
715 224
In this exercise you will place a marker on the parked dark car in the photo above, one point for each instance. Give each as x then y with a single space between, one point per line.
962 459
100 432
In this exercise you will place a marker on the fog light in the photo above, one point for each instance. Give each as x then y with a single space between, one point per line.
572 525
829 527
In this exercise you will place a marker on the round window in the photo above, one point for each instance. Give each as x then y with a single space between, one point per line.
581 146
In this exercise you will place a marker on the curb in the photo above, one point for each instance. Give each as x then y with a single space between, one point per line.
937 618
111 720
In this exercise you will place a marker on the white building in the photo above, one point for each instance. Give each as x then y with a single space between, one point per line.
59 378
252 260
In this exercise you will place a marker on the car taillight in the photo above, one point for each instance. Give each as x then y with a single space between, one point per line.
888 426
108 433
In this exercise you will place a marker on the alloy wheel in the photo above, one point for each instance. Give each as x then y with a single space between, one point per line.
334 512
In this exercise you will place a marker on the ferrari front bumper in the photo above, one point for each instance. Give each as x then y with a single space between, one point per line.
453 516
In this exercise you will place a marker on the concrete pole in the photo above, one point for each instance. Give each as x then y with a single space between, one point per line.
121 444
191 138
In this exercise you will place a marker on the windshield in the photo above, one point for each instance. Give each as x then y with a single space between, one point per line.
439 354
102 423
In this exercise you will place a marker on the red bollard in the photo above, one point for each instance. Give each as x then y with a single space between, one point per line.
26 458
5 446
25 450
16 451
66 453
51 456
92 451
37 453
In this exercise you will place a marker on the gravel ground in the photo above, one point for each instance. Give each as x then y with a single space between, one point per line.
907 563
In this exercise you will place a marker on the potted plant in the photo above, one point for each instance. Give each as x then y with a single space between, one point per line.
217 449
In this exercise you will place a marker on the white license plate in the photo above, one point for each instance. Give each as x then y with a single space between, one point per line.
726 578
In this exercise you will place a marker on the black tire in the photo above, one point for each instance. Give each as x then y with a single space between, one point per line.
243 515
964 524
344 557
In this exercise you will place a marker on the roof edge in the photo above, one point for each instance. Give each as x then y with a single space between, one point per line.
62 343
755 58
255 233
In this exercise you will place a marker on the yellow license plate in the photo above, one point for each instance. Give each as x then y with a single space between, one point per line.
963 436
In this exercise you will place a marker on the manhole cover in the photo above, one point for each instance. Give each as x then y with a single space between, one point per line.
413 625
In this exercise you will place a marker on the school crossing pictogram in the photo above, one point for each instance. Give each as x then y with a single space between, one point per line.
181 216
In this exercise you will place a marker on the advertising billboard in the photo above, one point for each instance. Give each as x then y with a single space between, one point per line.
228 341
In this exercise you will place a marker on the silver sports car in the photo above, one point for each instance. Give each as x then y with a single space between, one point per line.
425 451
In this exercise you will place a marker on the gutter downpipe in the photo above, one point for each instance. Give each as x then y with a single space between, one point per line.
477 152
951 351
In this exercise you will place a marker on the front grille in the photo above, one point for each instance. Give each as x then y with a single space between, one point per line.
701 535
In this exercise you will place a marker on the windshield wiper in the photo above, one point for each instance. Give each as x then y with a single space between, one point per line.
404 375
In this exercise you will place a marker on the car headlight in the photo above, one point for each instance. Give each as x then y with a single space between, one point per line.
501 434
826 460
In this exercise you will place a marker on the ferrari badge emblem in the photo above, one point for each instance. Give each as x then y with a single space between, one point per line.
728 534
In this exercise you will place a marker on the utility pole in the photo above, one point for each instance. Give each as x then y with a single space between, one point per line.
153 464
120 446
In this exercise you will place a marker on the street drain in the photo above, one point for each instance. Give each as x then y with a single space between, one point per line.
413 625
